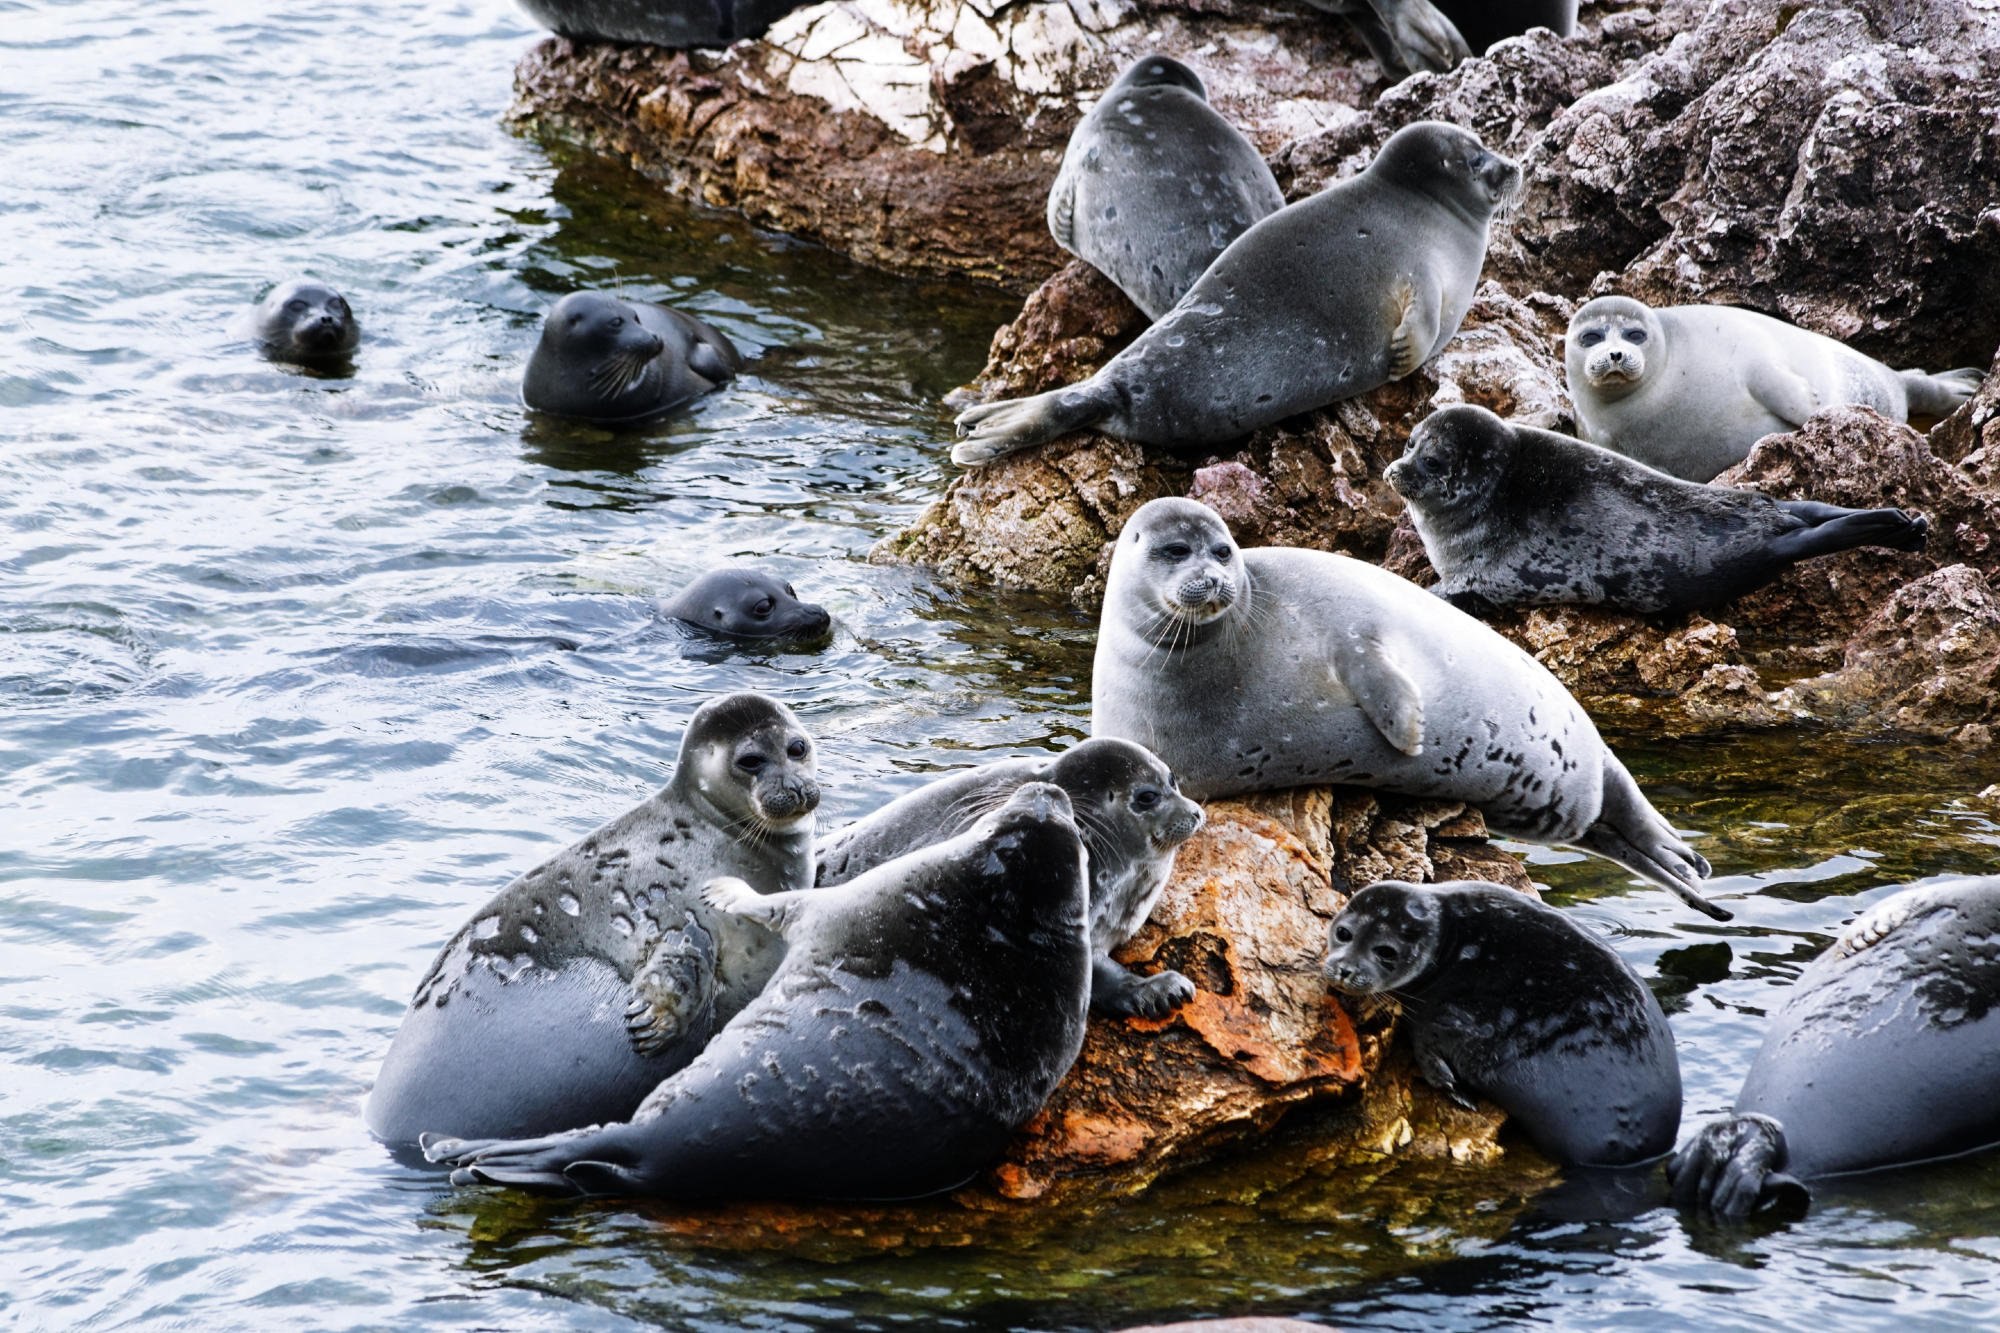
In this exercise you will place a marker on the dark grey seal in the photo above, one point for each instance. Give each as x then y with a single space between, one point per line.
1279 667
677 23
1413 36
306 322
569 996
922 1013
1886 1052
603 359
1511 1000
1324 299
1511 515
745 604
1132 817
1155 184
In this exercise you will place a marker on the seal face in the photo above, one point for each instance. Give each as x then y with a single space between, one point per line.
1512 1001
1131 816
923 1011
745 604
1688 389
1154 184
570 995
1412 36
306 322
1324 299
1511 515
1886 1051
603 359
1278 667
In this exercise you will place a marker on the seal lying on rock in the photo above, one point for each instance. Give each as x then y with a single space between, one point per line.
1412 36
1688 389
1154 184
922 1013
678 23
1887 1051
1511 515
1279 667
568 997
603 359
1129 811
305 322
1513 1001
1324 299
746 604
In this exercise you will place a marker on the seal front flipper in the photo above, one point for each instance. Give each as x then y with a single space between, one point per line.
1121 993
1439 1075
1631 833
993 430
1782 392
1062 212
716 363
1415 331
1384 692
673 992
775 912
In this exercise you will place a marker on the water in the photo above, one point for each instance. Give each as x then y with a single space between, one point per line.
294 671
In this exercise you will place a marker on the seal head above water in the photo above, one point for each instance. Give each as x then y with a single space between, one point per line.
306 322
603 359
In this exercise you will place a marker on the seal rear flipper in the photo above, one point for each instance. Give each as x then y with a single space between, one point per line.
1121 993
1845 529
673 993
554 1162
1632 834
1939 395
1731 1169
994 430
1423 38
1386 695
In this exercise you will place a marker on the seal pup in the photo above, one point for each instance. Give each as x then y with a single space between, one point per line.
922 1013
305 322
1154 184
1324 299
1413 36
1129 811
741 603
1510 1000
1511 515
1279 667
569 996
1886 1052
1688 389
603 359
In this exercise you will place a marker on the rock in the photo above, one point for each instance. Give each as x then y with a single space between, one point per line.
1970 436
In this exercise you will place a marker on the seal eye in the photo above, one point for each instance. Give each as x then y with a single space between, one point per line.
1635 335
1385 953
618 321
1221 554
763 609
1590 338
1146 799
295 306
797 749
1343 934
750 763
337 306
1428 465
1176 550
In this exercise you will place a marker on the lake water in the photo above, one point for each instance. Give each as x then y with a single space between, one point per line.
295 671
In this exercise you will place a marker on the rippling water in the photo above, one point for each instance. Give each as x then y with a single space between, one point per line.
296 670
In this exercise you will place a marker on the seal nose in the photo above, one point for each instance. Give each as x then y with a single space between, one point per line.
1615 356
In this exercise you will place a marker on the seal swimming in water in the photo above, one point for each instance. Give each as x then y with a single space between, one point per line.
1324 299
1412 36
1154 184
568 997
1129 811
603 359
1688 389
1511 1000
923 1011
1516 516
1886 1052
306 322
741 603
1279 667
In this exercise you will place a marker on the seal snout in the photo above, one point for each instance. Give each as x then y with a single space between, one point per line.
790 796
1206 594
1040 802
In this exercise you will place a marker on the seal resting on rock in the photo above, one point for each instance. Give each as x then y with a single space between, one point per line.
676 23
1688 389
1129 811
1513 1001
1413 36
305 322
1886 1051
741 603
1324 299
923 1012
568 997
1279 667
1511 515
603 359
1154 184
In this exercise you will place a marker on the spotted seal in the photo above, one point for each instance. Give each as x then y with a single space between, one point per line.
306 322
603 359
742 603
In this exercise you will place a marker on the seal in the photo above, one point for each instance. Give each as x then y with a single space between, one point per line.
1155 184
923 1011
305 322
1886 1052
603 359
1279 667
1413 36
1324 299
569 996
742 603
1688 389
676 23
1512 1001
1129 811
1511 515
